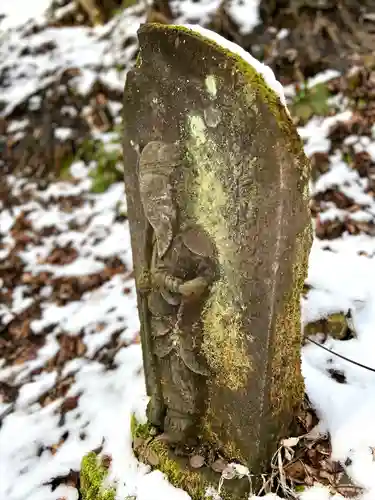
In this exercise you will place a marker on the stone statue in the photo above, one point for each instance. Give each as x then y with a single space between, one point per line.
181 270
217 191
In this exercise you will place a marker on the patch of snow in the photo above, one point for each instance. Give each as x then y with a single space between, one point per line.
190 11
32 391
323 77
283 33
63 133
315 132
28 65
17 12
244 13
341 281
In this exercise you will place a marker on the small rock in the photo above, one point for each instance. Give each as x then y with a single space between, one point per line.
334 325
219 465
106 461
151 457
196 461
137 443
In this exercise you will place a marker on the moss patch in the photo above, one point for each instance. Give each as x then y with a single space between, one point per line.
287 383
92 477
223 336
66 163
106 171
334 325
223 340
152 451
129 3
148 449
311 101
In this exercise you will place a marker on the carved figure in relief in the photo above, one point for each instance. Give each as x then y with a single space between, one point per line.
181 270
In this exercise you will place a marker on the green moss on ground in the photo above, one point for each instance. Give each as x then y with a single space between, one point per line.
108 162
92 479
311 101
128 3
148 449
106 171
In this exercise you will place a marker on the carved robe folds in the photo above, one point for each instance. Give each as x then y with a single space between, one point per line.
182 268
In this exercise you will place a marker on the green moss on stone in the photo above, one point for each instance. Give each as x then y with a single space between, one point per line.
92 479
223 343
287 382
210 436
334 325
223 336
151 449
195 482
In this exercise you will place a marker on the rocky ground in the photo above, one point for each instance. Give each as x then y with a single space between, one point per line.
70 359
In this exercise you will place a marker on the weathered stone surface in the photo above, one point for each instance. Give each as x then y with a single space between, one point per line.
216 184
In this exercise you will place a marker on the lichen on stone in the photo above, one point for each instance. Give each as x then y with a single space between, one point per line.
223 342
287 387
197 129
92 479
211 86
223 338
255 83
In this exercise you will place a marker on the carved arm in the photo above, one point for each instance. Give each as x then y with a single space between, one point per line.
190 289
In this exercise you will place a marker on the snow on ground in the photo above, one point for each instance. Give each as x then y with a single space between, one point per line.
17 12
244 13
71 367
31 62
190 11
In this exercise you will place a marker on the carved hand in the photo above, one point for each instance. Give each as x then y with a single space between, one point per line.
193 288
143 282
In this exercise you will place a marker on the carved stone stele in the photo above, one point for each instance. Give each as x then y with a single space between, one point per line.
216 183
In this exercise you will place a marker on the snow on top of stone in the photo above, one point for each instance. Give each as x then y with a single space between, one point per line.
261 68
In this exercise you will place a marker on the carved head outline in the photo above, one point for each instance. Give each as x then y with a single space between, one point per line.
157 162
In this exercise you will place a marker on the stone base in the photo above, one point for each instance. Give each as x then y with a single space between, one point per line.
156 453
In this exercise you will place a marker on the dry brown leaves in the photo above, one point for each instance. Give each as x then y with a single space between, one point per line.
305 460
358 86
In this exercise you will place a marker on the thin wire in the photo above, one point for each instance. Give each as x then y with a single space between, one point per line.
341 356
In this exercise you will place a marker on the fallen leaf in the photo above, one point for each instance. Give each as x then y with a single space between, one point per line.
290 442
